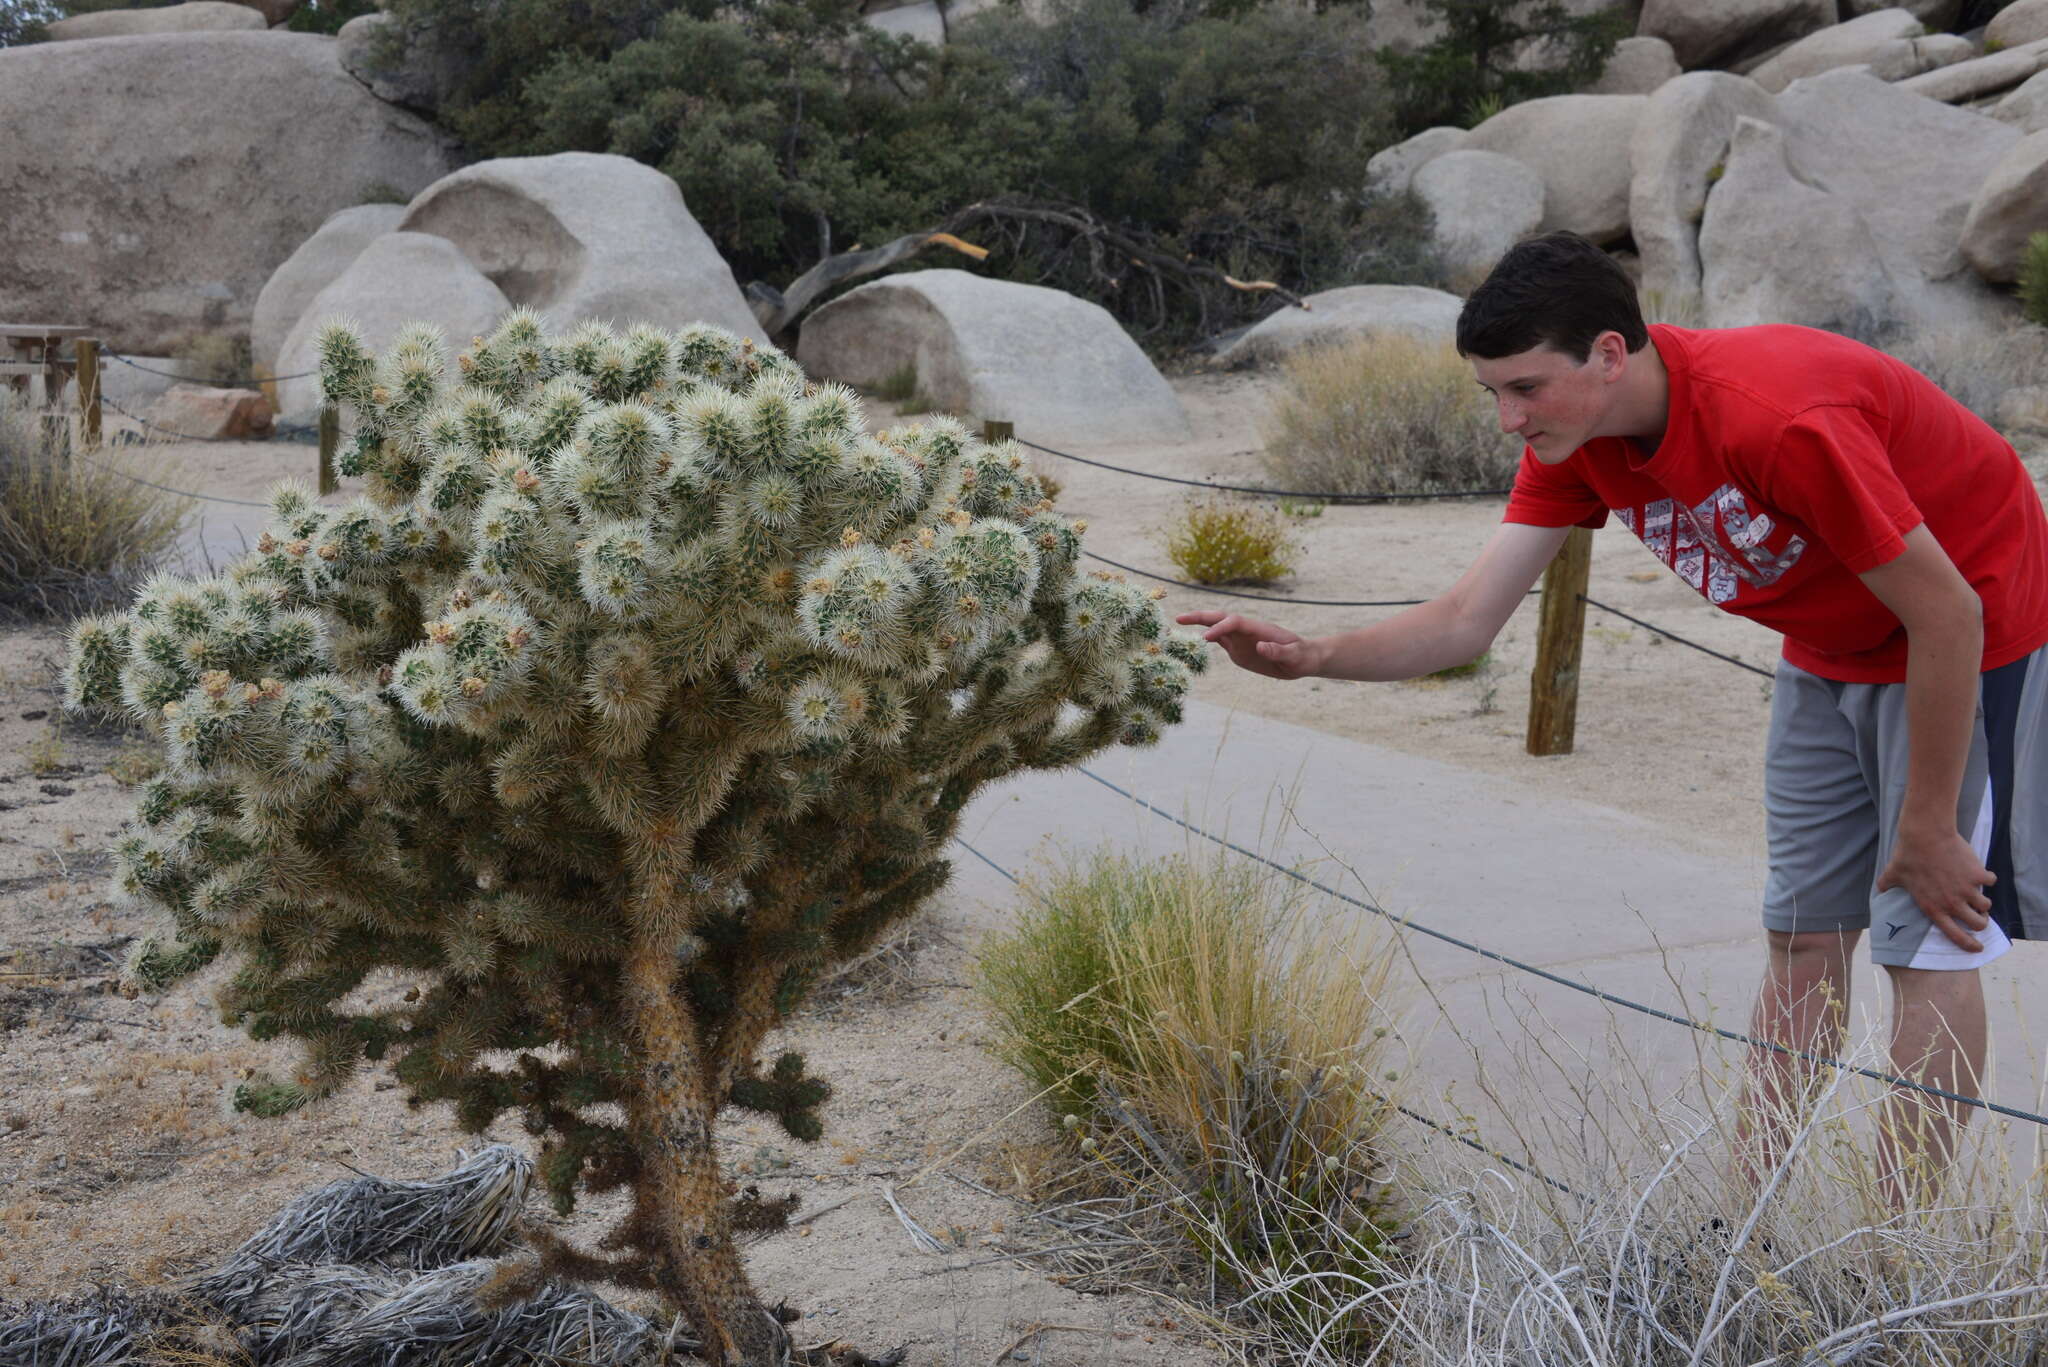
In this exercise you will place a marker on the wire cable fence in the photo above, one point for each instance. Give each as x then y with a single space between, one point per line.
251 380
1612 999
280 431
1336 602
1417 1116
1306 496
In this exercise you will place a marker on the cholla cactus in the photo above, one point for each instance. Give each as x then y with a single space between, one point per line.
643 685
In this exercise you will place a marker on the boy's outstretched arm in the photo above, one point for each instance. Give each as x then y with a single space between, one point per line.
1449 629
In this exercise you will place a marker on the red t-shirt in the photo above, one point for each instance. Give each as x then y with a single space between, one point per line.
1792 461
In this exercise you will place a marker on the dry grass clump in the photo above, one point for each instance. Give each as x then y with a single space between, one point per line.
1223 540
73 535
1211 1047
1384 415
1978 367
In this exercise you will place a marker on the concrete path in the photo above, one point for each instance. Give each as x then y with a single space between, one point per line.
1583 891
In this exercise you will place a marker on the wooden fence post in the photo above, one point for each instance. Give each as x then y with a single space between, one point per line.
86 351
1560 634
330 438
993 431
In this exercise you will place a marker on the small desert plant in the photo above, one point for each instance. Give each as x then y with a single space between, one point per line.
45 754
1213 1048
1978 367
2034 280
1382 415
73 534
1223 540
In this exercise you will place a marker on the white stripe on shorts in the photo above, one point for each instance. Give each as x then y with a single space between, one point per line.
1937 950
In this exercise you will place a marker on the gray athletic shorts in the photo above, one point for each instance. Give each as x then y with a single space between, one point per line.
1835 777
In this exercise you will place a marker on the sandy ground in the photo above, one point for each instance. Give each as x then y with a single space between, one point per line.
119 1162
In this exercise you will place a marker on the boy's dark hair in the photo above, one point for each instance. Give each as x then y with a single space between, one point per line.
1557 290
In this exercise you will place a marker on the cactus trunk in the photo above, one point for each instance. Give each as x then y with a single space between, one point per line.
680 1194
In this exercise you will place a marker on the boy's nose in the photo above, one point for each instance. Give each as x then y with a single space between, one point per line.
1512 416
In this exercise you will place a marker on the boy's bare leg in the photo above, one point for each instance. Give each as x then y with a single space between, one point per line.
1938 1038
1803 1004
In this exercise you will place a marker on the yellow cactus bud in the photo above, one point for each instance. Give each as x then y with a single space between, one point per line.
472 687
850 537
329 551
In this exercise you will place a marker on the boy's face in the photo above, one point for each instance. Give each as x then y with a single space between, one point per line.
1550 400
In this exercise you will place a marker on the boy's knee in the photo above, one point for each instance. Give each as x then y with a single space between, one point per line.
1810 945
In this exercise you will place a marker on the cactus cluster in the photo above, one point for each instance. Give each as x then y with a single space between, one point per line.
642 684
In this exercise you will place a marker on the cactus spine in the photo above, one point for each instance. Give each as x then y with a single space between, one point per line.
644 684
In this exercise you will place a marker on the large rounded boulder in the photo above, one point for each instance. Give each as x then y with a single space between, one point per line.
1058 367
1863 189
1481 203
1679 148
311 269
169 220
1579 145
2010 207
581 235
397 279
1723 32
195 16
1353 311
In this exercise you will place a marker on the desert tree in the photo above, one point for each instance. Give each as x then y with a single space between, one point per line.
641 685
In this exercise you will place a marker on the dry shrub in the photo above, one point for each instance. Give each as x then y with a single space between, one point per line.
1977 367
1213 1046
73 535
1384 415
1223 540
2034 280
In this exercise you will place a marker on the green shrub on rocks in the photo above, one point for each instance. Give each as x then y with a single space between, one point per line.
643 685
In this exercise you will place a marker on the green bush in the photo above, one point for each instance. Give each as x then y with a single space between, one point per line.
1386 414
1200 128
73 535
2034 280
1493 53
795 130
22 21
1222 540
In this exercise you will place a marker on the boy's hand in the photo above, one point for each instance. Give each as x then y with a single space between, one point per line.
1944 877
1260 647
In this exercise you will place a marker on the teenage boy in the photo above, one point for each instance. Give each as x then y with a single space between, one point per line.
1836 495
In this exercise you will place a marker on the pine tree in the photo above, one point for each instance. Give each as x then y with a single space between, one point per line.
643 685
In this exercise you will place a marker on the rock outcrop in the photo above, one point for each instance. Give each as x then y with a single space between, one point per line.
2027 107
1884 40
1392 168
1980 76
1679 149
1058 367
1637 67
581 235
2011 206
1723 32
414 66
1579 144
1853 210
1482 204
2020 23
1758 244
152 227
195 16
399 278
1353 311
310 269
